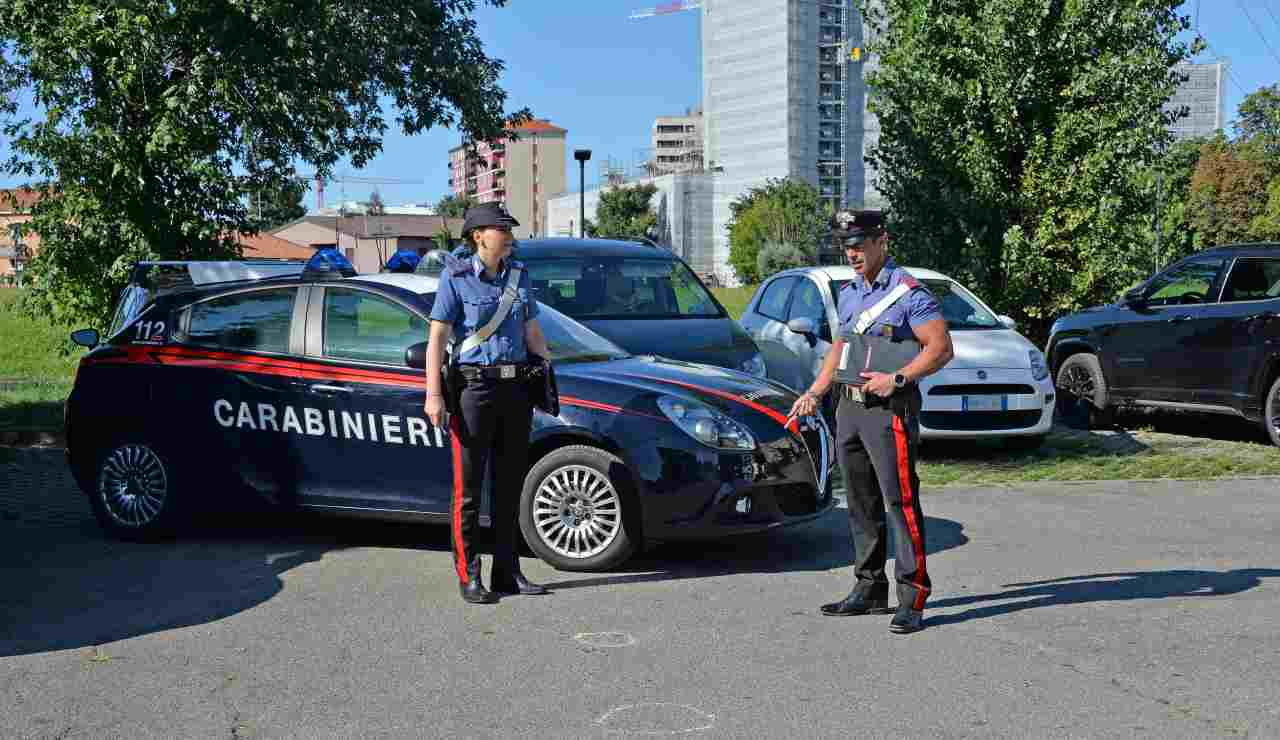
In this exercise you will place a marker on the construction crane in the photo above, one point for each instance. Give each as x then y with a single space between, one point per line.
672 7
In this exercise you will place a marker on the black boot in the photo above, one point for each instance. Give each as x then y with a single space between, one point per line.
865 598
906 620
473 590
509 580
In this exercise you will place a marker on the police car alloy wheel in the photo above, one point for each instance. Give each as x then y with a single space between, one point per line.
572 510
132 495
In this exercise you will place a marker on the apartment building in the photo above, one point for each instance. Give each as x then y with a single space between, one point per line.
676 144
521 171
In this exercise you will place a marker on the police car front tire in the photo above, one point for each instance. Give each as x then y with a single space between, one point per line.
572 510
132 491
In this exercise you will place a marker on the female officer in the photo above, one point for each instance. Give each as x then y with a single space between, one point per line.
494 411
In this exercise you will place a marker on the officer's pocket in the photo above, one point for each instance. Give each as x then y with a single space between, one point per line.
478 310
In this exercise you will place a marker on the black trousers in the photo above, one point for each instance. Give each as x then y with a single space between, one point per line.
876 444
493 424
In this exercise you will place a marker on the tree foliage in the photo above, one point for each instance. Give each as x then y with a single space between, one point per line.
455 206
624 212
1229 191
157 120
782 211
278 206
1259 118
1014 137
775 257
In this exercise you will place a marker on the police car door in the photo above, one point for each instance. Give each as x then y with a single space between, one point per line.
375 450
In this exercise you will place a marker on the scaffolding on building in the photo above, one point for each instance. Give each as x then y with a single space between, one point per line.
834 69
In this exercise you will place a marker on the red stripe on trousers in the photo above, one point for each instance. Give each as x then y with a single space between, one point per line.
459 550
909 510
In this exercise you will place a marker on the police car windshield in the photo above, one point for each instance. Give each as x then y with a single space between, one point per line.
570 341
621 288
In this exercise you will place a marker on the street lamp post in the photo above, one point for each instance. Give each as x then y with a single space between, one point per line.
582 155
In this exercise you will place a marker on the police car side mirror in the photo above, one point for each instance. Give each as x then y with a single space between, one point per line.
85 337
1007 321
416 355
1133 298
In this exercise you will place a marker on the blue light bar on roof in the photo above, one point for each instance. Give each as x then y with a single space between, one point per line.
326 263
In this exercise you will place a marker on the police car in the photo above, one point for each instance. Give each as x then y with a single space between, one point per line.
302 386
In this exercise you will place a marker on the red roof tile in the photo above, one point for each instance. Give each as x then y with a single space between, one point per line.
26 197
266 246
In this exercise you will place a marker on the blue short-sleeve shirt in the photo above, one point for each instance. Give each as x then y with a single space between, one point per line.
466 300
914 309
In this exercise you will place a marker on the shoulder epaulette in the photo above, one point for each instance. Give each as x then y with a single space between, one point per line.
460 268
517 263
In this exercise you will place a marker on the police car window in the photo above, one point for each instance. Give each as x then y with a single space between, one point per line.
959 308
570 341
773 303
1187 283
257 321
365 327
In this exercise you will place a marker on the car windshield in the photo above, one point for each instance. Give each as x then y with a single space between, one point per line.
568 340
621 287
960 308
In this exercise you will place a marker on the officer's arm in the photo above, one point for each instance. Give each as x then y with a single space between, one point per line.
936 350
438 339
534 339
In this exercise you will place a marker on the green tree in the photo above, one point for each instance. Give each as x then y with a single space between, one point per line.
624 212
1259 118
1014 134
1229 190
783 210
157 120
276 207
775 257
455 206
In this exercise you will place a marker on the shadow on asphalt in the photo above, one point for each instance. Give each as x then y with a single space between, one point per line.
1103 587
820 545
69 586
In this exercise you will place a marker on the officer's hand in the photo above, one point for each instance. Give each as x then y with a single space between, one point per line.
881 384
435 411
805 405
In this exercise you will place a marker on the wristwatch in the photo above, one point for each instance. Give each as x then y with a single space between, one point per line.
899 380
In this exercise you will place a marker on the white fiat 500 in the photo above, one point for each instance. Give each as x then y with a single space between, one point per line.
997 385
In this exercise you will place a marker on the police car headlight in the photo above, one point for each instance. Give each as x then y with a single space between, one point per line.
705 424
1039 370
754 365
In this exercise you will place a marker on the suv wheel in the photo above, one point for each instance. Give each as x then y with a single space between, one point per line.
132 491
1271 417
1082 392
571 509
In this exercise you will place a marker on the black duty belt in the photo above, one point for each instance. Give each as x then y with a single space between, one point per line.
515 371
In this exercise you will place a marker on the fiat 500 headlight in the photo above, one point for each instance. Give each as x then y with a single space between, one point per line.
1039 370
707 425
754 365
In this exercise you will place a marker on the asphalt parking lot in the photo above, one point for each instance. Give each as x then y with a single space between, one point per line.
1060 611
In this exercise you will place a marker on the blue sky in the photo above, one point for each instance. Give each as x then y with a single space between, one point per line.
589 68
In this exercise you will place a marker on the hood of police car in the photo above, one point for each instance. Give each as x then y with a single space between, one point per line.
734 393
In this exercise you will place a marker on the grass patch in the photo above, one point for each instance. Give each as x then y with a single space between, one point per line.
735 300
36 368
1069 455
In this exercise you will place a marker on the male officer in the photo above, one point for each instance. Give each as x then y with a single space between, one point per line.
878 426
493 353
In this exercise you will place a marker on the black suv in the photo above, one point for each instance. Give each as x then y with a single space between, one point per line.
1203 335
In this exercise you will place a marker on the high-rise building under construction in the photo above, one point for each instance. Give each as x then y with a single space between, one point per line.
783 96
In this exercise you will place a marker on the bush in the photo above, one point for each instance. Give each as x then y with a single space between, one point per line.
775 257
